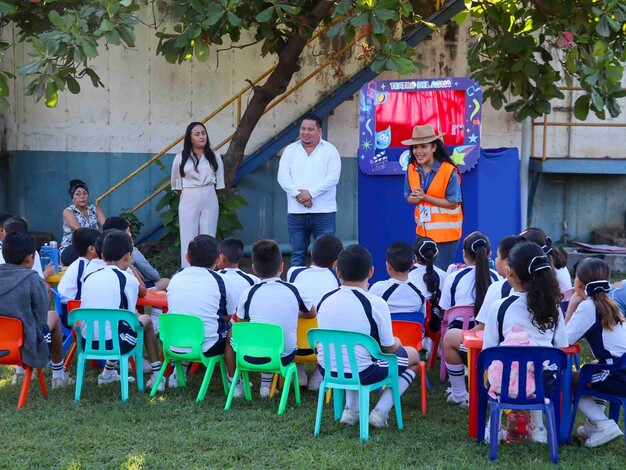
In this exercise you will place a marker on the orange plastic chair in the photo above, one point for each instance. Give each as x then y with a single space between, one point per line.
11 340
410 334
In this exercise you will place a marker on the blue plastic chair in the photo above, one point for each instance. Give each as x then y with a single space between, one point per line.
345 380
584 380
88 317
415 317
522 355
68 339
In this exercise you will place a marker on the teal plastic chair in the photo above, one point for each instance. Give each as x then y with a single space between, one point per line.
333 342
88 317
186 333
261 340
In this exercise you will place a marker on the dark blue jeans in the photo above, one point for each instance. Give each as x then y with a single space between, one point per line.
301 227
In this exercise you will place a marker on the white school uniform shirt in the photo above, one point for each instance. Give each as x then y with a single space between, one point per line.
564 278
102 289
196 178
237 281
353 309
201 293
318 172
277 302
36 266
98 263
606 345
314 281
416 276
497 290
70 286
401 296
458 288
516 313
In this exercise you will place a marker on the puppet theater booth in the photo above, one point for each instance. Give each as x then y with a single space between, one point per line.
490 177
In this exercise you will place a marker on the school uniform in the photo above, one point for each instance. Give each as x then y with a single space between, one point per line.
278 303
71 284
416 276
237 281
564 278
607 346
202 293
458 287
353 309
110 287
98 263
497 290
401 297
313 280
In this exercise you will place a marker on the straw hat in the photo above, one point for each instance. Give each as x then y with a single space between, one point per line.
423 135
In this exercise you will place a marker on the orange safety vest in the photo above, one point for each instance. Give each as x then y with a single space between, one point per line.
445 225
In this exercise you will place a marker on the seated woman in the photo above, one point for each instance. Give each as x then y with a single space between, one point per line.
79 214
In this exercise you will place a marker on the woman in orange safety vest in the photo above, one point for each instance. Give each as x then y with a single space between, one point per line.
433 186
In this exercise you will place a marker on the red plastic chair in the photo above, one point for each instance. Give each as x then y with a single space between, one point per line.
465 312
71 305
410 334
11 340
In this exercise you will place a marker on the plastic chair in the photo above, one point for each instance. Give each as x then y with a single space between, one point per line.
584 381
334 342
415 317
522 355
410 334
261 340
71 305
464 312
11 340
67 333
178 332
88 318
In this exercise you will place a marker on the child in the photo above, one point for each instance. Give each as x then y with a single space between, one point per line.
24 295
352 308
594 316
315 281
533 307
557 260
455 352
113 287
273 301
401 295
231 252
4 216
201 292
83 243
19 224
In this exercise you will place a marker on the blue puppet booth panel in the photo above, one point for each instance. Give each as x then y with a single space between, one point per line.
491 204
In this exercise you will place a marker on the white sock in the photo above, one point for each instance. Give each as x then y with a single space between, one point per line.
592 410
154 316
536 418
266 380
19 370
57 370
301 370
230 380
352 400
109 369
456 375
385 403
156 367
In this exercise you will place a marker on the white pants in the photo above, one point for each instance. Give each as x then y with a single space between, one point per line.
197 214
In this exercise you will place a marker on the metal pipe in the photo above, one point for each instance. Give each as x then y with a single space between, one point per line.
525 154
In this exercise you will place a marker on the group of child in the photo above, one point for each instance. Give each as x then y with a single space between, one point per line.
523 292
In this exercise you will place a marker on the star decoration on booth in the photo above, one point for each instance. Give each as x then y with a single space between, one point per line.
458 157
382 87
366 144
472 138
362 157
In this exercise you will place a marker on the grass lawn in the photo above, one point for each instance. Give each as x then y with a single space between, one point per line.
172 431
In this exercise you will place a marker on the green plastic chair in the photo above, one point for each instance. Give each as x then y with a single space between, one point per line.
261 340
185 332
89 316
344 380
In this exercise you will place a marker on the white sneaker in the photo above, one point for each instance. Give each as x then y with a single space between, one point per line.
172 380
147 367
427 345
377 419
538 434
239 390
316 380
18 378
152 380
349 417
64 381
114 377
587 429
607 430
264 392
462 401
501 433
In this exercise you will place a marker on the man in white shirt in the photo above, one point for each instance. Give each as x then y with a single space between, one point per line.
308 172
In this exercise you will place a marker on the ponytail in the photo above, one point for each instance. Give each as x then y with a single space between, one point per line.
594 273
477 247
425 250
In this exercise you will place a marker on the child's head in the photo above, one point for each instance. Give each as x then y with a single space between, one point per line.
593 280
538 236
84 239
100 240
4 216
476 251
19 248
231 252
16 224
117 248
118 223
504 248
354 264
267 260
325 251
202 251
529 270
425 250
399 256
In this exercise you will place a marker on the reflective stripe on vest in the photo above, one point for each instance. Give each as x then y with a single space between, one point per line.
445 224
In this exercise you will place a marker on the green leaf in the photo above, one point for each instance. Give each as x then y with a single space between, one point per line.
56 20
233 19
88 48
202 50
106 25
460 17
602 27
265 15
581 107
4 104
596 100
72 85
4 86
52 95
112 38
126 3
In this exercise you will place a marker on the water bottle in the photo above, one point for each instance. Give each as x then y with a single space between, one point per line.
517 426
54 255
45 255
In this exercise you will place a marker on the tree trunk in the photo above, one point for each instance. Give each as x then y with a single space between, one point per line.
275 85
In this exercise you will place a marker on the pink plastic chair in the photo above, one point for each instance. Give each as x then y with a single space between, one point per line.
465 312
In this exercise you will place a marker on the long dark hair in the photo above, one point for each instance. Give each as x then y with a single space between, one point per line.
594 269
425 250
533 269
534 234
441 154
477 247
188 150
